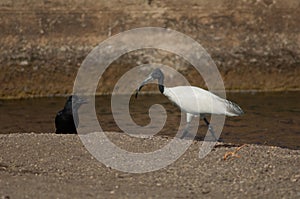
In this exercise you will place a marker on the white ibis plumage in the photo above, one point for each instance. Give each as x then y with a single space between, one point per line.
194 101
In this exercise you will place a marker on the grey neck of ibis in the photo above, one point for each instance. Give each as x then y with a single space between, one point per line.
161 86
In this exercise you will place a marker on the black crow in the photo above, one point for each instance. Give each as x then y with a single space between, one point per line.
65 121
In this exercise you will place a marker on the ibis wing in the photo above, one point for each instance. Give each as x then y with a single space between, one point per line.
199 101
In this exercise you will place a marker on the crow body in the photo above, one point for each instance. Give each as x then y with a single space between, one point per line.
66 120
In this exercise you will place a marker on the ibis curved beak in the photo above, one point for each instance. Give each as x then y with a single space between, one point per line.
150 78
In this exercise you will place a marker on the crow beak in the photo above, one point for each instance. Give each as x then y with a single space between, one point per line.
82 101
150 78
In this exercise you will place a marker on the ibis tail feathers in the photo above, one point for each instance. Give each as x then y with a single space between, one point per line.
232 109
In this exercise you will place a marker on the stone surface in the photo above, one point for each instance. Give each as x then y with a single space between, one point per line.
255 43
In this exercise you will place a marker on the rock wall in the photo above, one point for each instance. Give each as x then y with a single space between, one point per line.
255 43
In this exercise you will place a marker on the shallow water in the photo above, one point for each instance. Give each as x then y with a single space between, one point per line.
270 118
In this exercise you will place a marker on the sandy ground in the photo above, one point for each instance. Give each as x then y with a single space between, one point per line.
59 166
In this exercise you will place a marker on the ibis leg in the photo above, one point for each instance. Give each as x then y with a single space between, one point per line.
185 131
189 118
210 128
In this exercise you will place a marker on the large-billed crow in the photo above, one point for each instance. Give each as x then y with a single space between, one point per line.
66 120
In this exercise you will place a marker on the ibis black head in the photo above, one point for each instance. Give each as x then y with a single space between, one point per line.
156 74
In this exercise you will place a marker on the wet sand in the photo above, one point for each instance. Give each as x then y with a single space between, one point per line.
59 166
